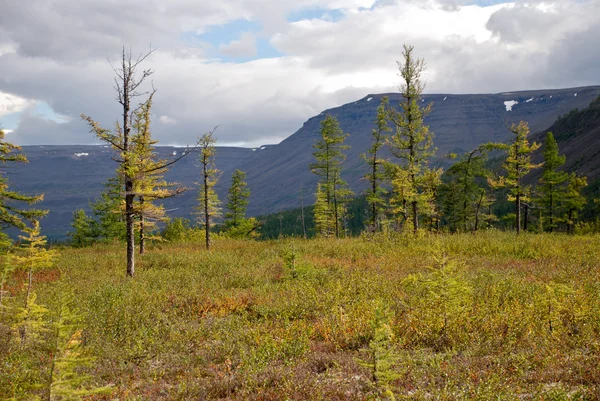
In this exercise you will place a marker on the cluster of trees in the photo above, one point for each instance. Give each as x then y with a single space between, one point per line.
130 205
406 191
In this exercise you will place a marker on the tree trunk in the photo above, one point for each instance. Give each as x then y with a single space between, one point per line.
476 226
302 211
142 229
415 217
518 217
570 229
206 212
526 217
29 282
129 221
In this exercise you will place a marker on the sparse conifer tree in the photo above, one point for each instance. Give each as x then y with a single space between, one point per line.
574 201
333 192
208 208
31 256
237 200
376 175
464 192
411 141
551 188
107 211
127 84
83 229
517 165
10 214
149 184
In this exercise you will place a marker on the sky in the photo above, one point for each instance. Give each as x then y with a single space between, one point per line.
259 68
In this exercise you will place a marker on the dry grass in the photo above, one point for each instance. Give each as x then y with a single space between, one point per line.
484 317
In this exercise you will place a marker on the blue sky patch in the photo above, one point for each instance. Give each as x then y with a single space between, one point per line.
222 35
316 13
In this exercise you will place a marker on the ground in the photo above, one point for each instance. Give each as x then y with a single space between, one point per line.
444 317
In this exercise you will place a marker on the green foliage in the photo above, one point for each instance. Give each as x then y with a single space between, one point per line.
551 188
413 182
237 199
332 191
31 256
109 220
149 184
382 358
67 382
236 223
574 201
84 233
376 176
11 215
181 230
245 228
516 166
463 193
444 291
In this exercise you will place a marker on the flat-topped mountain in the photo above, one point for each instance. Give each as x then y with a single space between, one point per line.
72 176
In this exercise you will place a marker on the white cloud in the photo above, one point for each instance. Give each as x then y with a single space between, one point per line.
525 45
167 120
12 104
241 48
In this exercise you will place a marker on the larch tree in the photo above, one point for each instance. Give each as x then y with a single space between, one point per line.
574 200
376 175
463 193
10 214
209 205
332 193
552 184
411 141
108 218
238 197
149 184
128 83
237 200
31 256
83 232
516 166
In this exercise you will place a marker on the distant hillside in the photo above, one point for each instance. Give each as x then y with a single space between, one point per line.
578 137
72 176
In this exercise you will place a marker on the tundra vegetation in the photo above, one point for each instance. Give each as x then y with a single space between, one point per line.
407 292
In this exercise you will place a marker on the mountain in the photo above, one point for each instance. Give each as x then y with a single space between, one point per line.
578 136
72 176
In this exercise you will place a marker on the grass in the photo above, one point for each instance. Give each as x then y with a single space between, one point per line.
492 316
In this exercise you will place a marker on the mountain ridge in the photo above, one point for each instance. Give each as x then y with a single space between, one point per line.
278 174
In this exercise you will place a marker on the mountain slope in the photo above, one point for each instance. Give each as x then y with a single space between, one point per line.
459 122
578 137
72 176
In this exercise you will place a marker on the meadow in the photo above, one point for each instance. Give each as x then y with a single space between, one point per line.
492 316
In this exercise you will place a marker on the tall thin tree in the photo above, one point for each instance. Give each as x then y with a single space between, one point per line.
128 83
552 184
376 175
411 141
208 208
332 192
516 166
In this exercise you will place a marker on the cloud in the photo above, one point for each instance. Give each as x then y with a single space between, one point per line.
245 47
323 62
12 104
167 120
